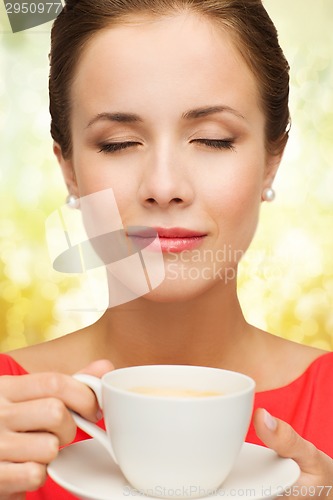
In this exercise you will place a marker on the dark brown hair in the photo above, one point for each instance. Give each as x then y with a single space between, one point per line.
246 20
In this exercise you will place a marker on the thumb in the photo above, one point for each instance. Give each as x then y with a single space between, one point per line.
282 438
98 368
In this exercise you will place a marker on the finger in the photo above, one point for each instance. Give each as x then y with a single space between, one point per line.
20 447
98 368
14 496
49 415
282 438
72 393
18 478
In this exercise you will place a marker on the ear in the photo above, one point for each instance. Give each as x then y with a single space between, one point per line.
272 166
67 170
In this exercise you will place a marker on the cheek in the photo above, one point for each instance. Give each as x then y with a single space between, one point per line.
234 204
92 176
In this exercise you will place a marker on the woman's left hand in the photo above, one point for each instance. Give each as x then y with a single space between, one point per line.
316 479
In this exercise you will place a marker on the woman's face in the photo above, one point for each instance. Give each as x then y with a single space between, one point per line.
166 113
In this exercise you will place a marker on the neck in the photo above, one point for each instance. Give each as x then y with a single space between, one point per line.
208 330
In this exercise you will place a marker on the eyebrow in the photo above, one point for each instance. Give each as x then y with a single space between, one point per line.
210 110
189 115
116 117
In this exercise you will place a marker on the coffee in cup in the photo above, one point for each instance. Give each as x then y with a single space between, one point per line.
173 392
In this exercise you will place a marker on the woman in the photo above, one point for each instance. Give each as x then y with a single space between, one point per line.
181 108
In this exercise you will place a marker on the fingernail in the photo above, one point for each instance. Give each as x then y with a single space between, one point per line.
99 414
270 421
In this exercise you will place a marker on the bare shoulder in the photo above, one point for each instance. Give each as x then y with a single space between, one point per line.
65 354
288 360
303 353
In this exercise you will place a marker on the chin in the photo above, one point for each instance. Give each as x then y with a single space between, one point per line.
161 295
180 290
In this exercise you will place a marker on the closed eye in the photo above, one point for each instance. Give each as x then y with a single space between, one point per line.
217 143
113 147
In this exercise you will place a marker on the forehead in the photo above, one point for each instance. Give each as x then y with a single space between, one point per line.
182 59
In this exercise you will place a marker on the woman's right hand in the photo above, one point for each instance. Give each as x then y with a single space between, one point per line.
35 421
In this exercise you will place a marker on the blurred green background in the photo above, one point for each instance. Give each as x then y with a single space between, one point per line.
286 279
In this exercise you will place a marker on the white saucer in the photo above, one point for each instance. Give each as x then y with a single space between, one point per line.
86 470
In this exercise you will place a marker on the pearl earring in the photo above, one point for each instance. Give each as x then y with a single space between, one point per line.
268 194
72 201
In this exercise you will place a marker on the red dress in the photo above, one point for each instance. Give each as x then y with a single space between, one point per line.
306 403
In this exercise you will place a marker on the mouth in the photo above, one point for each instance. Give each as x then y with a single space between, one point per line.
173 240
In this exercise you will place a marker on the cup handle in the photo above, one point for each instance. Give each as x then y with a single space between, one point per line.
93 430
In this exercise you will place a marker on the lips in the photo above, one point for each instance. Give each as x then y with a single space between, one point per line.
174 239
177 232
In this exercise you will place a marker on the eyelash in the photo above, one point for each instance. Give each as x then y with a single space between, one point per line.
217 143
114 147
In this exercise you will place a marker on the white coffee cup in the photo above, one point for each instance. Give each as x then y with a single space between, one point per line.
172 444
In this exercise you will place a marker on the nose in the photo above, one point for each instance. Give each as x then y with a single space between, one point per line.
165 182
